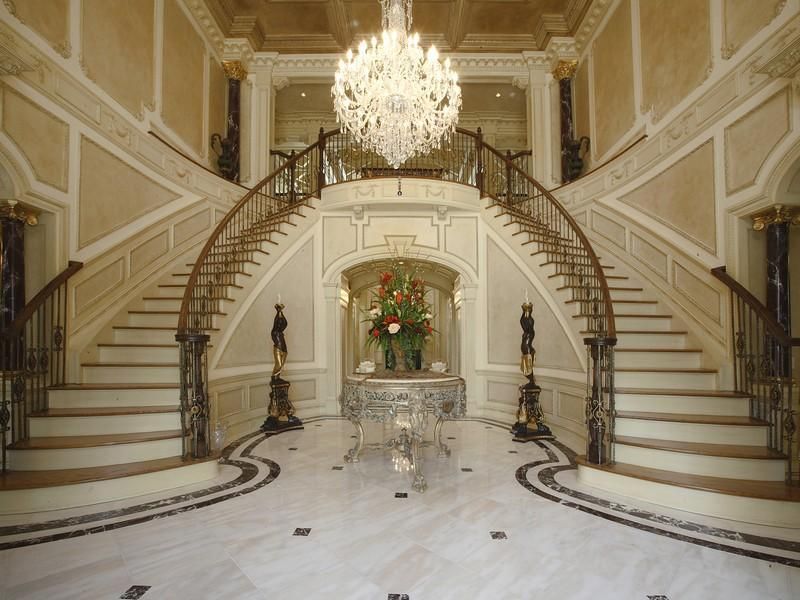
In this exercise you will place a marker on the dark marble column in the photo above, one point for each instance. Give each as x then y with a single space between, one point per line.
13 218
571 162
229 159
777 223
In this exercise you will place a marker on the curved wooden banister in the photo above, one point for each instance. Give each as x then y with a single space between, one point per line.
15 328
775 329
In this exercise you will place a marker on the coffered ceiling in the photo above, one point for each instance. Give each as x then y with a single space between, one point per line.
307 26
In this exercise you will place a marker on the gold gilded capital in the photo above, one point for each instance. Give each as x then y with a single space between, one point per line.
234 69
11 209
565 69
777 215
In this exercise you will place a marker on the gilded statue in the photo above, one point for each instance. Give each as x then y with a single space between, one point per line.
279 351
530 419
280 411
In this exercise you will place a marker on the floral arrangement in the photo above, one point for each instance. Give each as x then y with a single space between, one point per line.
400 317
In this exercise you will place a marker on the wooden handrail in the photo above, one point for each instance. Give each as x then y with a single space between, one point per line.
775 329
611 326
15 328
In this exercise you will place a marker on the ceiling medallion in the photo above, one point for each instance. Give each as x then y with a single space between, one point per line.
392 97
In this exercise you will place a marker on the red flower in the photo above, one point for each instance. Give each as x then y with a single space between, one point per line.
391 319
398 297
381 292
429 328
375 332
386 278
410 321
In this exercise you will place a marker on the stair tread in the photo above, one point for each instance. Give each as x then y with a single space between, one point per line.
116 386
616 350
90 441
175 345
20 480
690 418
723 450
149 328
664 370
765 490
649 331
678 392
106 411
627 315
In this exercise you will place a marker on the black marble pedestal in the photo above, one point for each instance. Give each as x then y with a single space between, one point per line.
523 430
281 412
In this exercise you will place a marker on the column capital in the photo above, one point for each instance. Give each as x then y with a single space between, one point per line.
565 69
234 69
777 215
12 209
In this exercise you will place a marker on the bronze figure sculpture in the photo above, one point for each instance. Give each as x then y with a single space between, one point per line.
280 413
530 418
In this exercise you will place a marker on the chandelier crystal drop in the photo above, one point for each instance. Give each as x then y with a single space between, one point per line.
395 99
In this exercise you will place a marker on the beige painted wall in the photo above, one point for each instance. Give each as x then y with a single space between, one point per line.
682 197
742 19
28 125
112 193
48 18
182 81
613 81
251 344
676 50
505 284
117 49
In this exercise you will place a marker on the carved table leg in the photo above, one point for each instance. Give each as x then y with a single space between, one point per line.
417 416
352 454
444 451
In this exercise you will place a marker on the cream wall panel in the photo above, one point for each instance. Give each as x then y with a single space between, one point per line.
41 137
145 253
612 63
700 293
614 232
757 264
794 282
505 285
182 81
48 18
742 19
650 255
461 239
188 228
682 197
117 49
217 100
502 392
259 396
230 401
88 291
250 344
105 177
302 390
676 51
426 234
751 139
339 236
547 401
571 407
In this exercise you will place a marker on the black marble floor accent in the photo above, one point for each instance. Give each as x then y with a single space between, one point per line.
401 494
451 438
657 597
466 469
292 448
398 597
337 468
135 592
513 452
545 483
302 531
498 535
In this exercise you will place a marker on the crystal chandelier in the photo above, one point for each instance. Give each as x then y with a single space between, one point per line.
391 96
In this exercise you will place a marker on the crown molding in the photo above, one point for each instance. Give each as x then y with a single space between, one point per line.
208 23
591 21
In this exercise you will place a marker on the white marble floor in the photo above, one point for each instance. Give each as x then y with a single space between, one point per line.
366 543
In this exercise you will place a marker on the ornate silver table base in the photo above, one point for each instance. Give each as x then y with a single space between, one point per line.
380 396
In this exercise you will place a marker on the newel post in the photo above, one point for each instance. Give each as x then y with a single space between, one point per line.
321 160
195 413
508 178
479 161
600 400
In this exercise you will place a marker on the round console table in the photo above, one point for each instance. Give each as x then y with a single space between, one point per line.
380 396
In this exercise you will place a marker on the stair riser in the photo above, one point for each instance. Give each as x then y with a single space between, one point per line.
692 432
643 323
628 295
648 340
163 304
152 320
626 308
692 405
698 464
166 374
144 336
680 381
78 458
726 506
106 398
115 354
82 494
102 425
676 360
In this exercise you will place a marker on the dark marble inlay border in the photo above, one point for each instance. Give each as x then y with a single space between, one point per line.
547 475
249 473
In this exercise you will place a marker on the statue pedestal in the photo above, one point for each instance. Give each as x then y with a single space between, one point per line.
281 412
532 427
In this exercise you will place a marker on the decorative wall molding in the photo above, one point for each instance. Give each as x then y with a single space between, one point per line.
208 24
591 21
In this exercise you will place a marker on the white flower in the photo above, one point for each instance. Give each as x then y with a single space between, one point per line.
394 328
375 311
428 316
